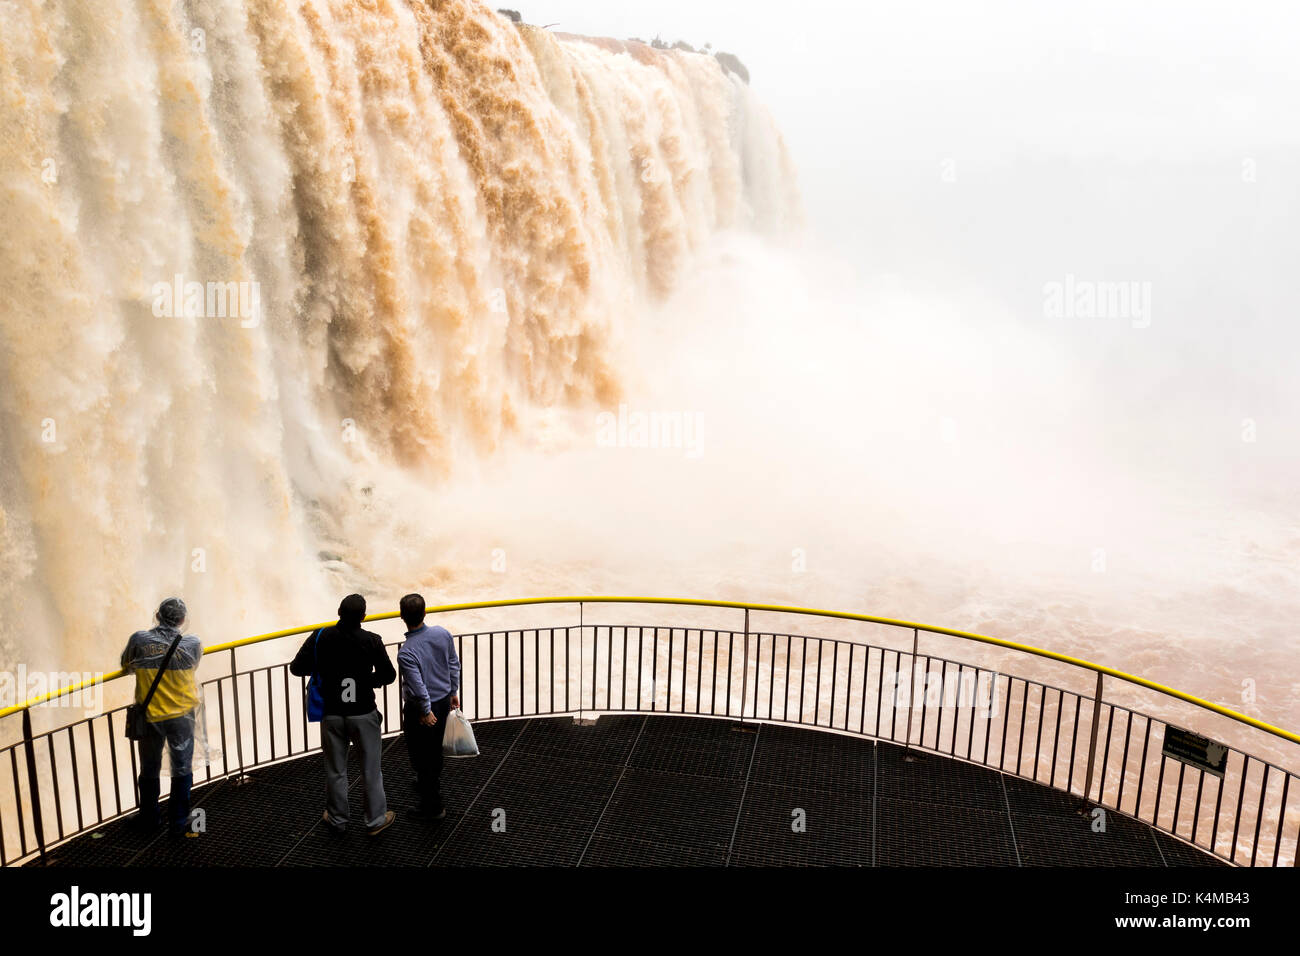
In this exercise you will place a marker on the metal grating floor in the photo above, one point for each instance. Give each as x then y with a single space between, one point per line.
632 790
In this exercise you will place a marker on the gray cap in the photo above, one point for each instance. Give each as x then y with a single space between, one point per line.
172 612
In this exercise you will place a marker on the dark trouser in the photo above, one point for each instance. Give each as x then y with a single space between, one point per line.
337 733
178 734
424 744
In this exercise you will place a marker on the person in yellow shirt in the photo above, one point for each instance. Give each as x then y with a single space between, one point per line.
170 715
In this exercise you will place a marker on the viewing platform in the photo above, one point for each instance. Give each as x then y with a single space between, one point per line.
652 791
720 736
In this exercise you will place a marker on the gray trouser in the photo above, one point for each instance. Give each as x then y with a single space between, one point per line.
365 732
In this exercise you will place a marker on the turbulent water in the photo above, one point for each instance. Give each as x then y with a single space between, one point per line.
275 267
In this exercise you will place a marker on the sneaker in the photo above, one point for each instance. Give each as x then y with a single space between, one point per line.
431 815
389 817
333 828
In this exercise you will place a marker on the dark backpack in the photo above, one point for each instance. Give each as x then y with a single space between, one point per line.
315 697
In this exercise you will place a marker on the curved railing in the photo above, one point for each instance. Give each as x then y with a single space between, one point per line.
70 777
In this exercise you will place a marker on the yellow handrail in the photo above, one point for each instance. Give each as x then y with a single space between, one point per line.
738 605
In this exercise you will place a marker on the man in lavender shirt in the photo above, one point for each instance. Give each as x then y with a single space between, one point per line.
430 682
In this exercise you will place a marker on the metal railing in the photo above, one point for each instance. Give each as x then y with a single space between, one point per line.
73 777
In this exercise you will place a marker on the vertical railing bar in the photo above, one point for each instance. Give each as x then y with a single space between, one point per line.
988 726
744 675
1259 813
1240 796
731 668
288 709
866 670
1178 798
1281 820
94 770
1105 754
1123 760
893 703
1142 768
880 690
686 656
1218 804
76 775
239 737
1196 810
29 749
1074 741
1160 786
668 681
221 722
699 668
654 672
640 639
835 683
925 699
785 692
18 798
1006 720
1056 735
135 771
943 702
477 699
622 667
112 756
270 707
817 685
848 684
911 691
1020 735
54 777
252 703
803 677
1038 735
970 731
957 709
1092 737
771 687
713 673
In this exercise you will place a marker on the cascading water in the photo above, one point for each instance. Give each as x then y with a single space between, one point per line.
267 262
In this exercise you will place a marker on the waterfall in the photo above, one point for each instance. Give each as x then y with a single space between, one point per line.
267 261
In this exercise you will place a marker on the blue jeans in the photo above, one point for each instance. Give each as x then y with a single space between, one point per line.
178 734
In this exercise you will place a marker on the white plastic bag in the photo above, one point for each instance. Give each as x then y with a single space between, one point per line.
458 739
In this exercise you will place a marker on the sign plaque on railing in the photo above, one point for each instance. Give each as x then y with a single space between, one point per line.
1209 755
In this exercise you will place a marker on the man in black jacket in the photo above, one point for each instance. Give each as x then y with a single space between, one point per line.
350 663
